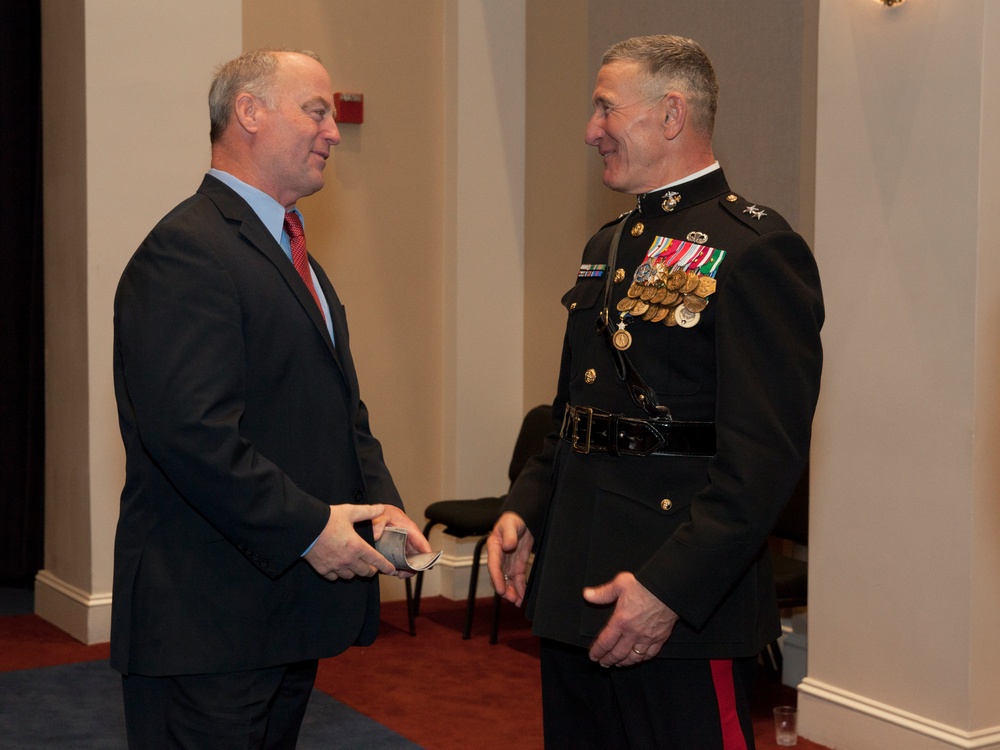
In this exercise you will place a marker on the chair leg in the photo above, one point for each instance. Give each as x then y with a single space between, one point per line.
773 661
494 632
415 606
420 577
473 580
410 615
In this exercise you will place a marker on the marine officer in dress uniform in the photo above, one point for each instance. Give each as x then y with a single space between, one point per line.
689 377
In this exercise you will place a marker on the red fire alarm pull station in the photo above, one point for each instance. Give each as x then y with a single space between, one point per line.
350 107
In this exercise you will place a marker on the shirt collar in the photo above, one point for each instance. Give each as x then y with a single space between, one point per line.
268 210
700 173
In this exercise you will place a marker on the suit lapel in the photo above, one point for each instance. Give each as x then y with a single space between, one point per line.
252 229
338 322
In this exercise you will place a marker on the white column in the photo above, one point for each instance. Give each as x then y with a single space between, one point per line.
126 137
484 250
904 550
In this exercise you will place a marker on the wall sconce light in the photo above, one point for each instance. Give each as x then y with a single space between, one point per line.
892 3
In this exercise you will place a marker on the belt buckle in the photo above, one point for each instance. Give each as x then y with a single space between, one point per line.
588 412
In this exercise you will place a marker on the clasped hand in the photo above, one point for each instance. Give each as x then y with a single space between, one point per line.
340 552
639 625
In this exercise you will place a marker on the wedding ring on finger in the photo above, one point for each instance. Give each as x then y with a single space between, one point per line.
638 653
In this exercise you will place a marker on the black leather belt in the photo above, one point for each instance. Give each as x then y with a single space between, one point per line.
591 430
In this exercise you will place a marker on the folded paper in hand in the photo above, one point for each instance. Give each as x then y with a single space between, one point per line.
392 546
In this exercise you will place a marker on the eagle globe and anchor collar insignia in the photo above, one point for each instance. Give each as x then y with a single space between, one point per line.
645 203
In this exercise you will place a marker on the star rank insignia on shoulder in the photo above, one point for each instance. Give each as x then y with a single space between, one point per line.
760 218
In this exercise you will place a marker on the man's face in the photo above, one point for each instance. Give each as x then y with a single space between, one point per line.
294 138
627 129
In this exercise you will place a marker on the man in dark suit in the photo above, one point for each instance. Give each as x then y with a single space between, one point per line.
244 549
689 378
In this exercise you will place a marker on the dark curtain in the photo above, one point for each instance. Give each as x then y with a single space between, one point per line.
22 376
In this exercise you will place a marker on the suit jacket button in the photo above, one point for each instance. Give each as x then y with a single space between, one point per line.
665 504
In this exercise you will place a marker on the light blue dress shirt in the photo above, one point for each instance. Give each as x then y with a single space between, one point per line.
272 214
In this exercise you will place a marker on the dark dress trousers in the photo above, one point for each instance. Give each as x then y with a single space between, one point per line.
242 423
692 529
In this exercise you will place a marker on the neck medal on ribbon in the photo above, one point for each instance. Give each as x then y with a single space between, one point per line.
671 286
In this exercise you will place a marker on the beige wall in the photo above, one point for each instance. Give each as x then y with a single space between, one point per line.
761 58
68 528
764 55
421 228
377 227
119 152
905 591
556 224
452 220
484 243
904 556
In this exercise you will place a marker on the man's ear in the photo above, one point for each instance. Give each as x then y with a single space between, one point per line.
247 112
675 112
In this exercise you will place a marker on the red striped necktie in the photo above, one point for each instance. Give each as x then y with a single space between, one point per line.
300 258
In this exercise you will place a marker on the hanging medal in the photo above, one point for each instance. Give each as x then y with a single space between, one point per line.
621 338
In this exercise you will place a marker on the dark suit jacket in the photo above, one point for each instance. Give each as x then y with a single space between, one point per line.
241 425
752 365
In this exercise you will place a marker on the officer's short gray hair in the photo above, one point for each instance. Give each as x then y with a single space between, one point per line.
674 63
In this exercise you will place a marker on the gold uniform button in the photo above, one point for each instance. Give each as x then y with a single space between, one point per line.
590 376
732 198
619 275
665 504
637 229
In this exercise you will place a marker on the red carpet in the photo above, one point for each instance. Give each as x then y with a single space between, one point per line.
448 694
440 691
435 689
27 641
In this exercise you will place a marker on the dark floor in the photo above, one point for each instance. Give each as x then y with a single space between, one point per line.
16 601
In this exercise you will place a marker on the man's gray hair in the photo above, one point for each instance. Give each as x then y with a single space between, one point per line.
251 73
674 63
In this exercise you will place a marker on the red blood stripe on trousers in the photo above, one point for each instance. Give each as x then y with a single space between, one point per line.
725 694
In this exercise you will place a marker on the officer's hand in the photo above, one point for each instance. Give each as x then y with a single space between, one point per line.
638 627
508 548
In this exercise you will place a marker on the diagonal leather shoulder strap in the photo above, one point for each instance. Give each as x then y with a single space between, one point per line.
642 395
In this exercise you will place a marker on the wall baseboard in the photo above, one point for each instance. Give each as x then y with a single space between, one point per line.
838 718
84 615
87 616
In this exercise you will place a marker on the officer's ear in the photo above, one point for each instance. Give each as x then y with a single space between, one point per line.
675 110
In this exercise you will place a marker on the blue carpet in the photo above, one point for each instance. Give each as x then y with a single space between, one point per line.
16 601
78 706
